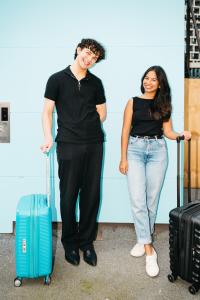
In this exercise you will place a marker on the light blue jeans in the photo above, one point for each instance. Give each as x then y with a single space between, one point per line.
147 164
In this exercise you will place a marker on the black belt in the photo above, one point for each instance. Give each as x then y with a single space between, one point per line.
148 137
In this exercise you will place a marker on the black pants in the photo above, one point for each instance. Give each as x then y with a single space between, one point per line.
80 174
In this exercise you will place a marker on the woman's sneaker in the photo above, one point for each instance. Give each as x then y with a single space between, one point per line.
138 250
152 268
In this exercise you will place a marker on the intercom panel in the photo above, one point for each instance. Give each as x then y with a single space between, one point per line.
4 122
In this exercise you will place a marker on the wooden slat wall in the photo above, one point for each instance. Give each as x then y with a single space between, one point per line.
192 123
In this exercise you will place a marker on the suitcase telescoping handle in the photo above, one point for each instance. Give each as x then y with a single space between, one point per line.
179 139
48 188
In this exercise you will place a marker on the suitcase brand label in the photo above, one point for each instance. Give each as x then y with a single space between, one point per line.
24 246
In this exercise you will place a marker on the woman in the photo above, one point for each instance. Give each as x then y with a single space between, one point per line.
144 156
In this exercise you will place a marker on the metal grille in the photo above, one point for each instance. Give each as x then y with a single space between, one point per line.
192 39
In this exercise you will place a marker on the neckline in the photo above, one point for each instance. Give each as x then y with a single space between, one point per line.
69 71
77 78
146 99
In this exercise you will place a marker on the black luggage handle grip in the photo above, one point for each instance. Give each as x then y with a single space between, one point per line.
178 139
181 138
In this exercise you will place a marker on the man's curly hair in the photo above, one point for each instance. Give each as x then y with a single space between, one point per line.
93 46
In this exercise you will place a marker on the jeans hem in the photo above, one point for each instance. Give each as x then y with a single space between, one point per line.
144 241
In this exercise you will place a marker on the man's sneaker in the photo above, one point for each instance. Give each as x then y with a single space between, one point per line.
152 268
138 250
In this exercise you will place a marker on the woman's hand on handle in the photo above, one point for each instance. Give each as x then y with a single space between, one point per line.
123 167
171 134
187 135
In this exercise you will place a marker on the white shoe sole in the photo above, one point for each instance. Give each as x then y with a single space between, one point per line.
155 273
137 255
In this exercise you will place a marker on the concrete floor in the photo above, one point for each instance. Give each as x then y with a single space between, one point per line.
118 276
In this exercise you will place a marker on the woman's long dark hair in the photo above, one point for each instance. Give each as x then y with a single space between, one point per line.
161 107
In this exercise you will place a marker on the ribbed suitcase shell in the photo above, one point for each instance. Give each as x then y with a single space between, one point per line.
33 237
184 233
184 242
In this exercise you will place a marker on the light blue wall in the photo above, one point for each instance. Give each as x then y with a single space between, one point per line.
38 38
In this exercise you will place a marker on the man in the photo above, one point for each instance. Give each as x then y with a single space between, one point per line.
80 103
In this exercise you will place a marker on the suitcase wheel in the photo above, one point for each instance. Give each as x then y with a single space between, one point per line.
17 282
47 280
172 277
193 289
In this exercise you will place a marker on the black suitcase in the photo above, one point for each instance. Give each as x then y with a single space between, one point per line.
184 235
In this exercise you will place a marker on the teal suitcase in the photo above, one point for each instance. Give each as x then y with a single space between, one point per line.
33 243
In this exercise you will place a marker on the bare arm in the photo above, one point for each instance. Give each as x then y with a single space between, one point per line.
102 111
128 112
47 124
171 134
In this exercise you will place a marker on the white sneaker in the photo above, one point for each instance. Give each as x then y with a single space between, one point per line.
152 268
138 250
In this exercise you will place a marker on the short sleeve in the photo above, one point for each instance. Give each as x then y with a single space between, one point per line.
100 95
51 91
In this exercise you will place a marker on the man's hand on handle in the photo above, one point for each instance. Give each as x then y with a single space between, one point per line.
46 146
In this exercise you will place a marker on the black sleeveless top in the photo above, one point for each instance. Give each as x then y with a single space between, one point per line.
142 122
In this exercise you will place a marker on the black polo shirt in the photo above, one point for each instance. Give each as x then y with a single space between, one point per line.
75 101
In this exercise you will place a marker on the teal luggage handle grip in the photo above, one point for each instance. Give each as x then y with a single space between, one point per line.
48 188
